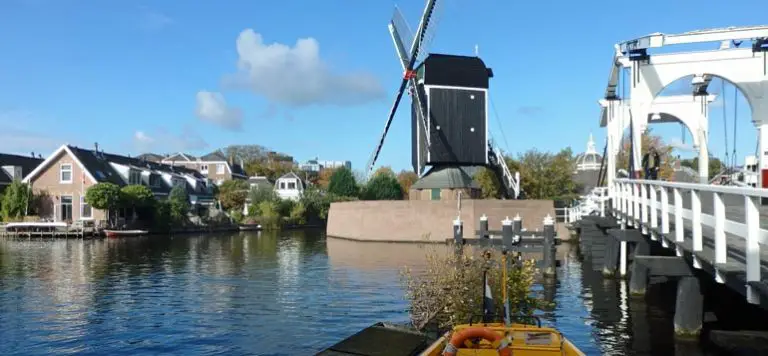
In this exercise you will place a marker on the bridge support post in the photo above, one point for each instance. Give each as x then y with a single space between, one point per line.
507 234
549 246
484 227
638 280
458 235
688 308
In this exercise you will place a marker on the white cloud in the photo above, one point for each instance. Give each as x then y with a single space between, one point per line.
212 107
678 144
164 141
296 75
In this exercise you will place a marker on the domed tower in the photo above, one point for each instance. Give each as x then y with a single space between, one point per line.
588 167
590 160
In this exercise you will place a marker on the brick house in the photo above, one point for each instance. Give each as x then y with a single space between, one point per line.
215 165
65 176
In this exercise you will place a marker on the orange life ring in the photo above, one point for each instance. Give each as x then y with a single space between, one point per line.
458 338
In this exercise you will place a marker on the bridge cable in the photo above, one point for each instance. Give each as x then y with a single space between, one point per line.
725 120
735 116
498 121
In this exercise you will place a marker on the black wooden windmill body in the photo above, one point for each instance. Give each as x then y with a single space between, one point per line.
449 110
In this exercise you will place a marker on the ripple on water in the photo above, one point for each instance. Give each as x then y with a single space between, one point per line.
235 294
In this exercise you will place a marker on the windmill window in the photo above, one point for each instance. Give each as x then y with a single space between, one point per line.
472 96
471 129
437 127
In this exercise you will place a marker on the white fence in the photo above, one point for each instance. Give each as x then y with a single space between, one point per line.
592 204
645 204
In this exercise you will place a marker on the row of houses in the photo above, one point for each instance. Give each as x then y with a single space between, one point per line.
63 178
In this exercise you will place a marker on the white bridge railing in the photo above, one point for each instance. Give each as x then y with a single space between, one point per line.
591 204
645 204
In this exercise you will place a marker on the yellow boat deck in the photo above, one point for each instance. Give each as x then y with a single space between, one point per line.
526 340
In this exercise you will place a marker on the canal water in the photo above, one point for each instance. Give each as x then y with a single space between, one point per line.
290 293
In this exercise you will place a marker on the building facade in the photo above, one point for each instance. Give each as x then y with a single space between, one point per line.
62 180
215 165
316 165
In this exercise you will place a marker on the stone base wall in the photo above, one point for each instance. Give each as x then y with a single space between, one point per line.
431 220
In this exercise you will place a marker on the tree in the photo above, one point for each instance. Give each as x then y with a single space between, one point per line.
15 201
406 180
179 203
246 152
324 178
384 170
258 195
715 165
489 184
545 175
104 196
233 193
137 196
666 169
383 186
343 183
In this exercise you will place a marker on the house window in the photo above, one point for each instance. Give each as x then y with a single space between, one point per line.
66 173
204 168
85 209
134 177
291 185
220 168
435 194
154 180
282 185
65 204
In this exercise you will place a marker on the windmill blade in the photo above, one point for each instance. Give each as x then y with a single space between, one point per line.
420 104
392 111
423 24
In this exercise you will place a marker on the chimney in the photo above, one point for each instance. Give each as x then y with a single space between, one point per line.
96 147
39 156
33 154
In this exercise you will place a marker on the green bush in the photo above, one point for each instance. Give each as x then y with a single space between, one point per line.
162 215
284 207
15 201
298 214
270 218
450 289
383 186
179 203
343 183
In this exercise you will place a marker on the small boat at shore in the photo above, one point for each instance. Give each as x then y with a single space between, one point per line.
483 339
503 340
249 227
124 233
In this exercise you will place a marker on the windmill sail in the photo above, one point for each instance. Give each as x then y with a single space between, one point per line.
408 76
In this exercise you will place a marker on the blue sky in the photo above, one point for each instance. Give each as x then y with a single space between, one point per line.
195 76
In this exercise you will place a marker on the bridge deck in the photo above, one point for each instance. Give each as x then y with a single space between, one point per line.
736 245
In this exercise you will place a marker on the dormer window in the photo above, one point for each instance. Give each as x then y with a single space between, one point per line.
134 177
65 173
204 169
154 180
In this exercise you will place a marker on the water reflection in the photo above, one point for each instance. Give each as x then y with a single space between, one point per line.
263 293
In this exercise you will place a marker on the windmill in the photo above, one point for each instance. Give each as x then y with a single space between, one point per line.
449 108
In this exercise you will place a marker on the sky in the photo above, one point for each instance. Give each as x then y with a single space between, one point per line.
314 78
